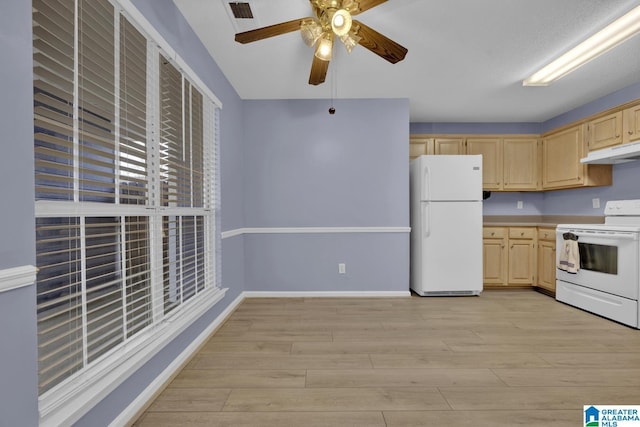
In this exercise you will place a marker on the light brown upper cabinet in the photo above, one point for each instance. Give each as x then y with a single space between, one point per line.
631 124
521 164
491 151
419 145
449 146
508 164
541 162
604 131
561 167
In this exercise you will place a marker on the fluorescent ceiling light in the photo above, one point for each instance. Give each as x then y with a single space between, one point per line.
611 36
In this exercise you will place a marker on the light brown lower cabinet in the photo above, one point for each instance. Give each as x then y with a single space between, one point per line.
522 256
509 257
494 251
547 260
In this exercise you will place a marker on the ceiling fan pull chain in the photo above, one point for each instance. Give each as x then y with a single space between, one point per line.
334 88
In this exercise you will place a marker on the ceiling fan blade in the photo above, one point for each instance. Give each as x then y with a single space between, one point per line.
360 6
379 44
270 31
318 71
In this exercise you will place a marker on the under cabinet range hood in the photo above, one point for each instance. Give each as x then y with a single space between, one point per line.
618 154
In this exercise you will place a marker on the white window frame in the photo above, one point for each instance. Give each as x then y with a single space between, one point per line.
67 402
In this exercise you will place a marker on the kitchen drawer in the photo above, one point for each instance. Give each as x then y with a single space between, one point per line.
547 234
494 232
522 233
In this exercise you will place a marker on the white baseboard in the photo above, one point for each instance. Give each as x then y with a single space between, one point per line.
327 294
159 382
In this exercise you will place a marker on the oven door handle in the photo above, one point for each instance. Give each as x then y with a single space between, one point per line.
607 235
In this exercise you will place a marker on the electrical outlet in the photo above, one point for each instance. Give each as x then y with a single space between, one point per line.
520 204
342 268
596 203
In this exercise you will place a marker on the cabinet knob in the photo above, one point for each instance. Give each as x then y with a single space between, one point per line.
493 233
522 234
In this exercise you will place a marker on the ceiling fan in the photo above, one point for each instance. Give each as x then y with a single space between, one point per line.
333 19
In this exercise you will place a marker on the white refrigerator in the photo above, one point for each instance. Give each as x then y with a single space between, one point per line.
446 225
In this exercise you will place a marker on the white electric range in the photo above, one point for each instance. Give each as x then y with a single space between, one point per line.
608 281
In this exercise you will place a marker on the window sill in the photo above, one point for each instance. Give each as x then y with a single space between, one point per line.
67 403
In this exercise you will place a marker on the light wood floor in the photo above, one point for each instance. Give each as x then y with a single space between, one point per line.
504 358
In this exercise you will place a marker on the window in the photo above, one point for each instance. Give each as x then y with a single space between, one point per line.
126 189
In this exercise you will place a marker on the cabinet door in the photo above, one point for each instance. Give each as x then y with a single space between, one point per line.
547 265
419 145
520 164
605 131
494 255
449 146
561 154
521 262
491 151
631 124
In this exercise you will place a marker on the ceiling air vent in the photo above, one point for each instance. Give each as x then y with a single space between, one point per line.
241 10
243 15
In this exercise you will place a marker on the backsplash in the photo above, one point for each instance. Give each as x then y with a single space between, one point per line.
580 201
501 203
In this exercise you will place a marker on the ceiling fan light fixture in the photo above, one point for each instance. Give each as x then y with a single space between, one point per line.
609 37
324 50
310 31
350 41
341 22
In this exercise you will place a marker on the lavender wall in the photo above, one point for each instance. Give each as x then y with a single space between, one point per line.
475 128
16 120
626 179
306 168
506 203
612 100
375 262
18 351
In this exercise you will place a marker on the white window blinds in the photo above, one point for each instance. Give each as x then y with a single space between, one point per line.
53 92
132 160
125 183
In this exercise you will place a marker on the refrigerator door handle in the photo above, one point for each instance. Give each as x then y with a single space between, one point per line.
426 219
426 184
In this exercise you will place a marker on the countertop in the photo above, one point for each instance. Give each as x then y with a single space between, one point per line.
550 221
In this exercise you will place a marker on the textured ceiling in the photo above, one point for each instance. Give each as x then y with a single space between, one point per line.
466 60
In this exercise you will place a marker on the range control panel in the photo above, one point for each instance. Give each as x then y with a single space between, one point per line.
622 208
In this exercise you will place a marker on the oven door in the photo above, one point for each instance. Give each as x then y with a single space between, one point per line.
608 261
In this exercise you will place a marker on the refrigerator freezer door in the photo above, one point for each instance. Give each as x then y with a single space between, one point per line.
449 260
451 178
